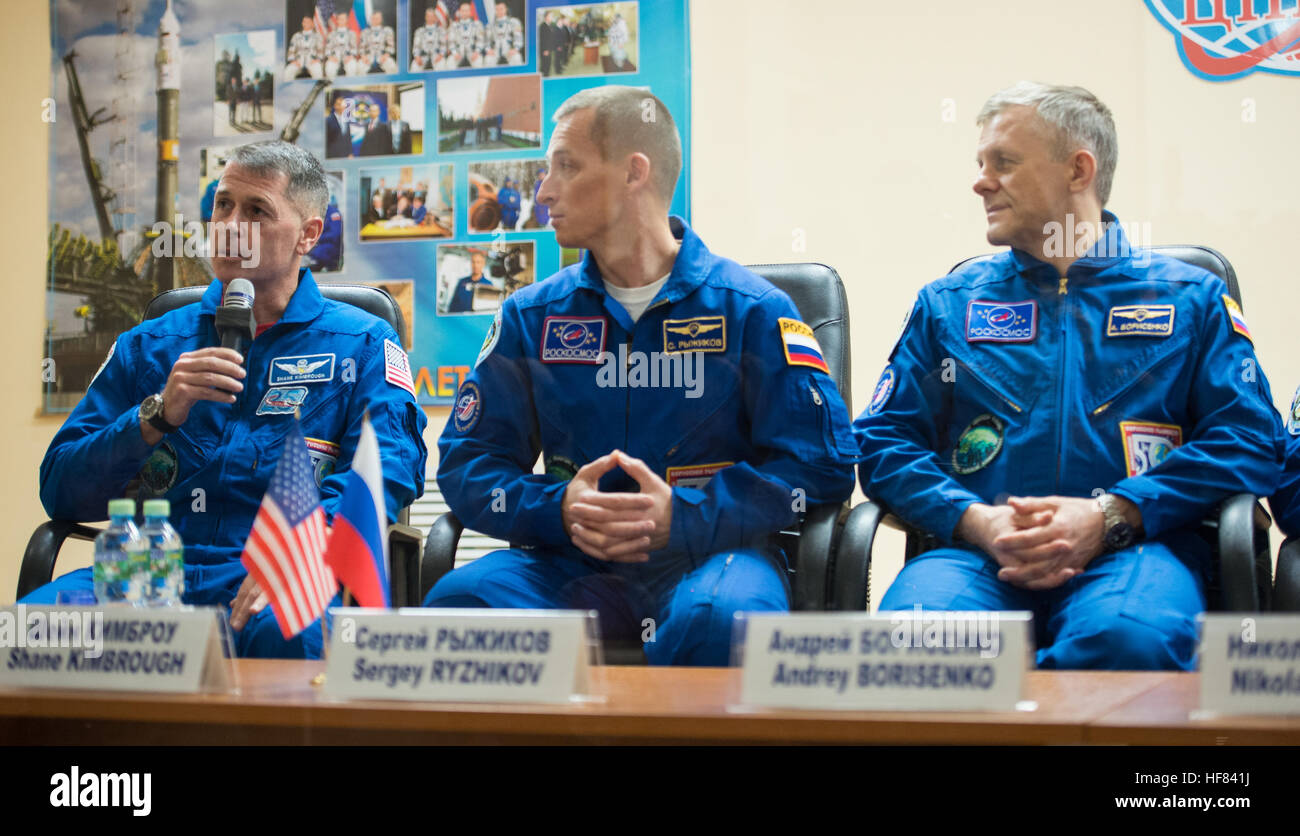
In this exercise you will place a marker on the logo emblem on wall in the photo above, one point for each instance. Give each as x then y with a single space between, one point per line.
1220 40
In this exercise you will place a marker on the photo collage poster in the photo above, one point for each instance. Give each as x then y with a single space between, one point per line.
431 117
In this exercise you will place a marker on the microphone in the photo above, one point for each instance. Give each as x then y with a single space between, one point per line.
235 323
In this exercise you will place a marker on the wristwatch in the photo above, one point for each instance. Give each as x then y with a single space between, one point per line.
1117 532
151 410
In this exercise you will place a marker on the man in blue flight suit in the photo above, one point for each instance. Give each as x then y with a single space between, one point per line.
682 410
462 295
204 427
508 198
329 248
1063 415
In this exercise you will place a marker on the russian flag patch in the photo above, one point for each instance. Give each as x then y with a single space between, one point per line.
801 347
1237 318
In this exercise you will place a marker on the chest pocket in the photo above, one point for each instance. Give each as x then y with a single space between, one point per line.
1133 366
323 418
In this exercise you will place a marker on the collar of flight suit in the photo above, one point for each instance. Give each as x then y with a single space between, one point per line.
304 306
689 268
1106 251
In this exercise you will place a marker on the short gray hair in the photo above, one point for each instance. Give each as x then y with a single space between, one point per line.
627 120
1079 119
307 189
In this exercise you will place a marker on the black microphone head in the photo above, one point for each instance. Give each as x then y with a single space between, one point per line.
239 294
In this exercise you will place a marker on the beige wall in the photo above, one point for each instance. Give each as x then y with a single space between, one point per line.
830 130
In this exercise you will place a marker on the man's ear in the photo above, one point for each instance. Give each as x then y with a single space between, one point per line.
309 234
1083 170
638 170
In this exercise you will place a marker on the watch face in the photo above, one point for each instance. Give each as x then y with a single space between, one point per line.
1120 536
149 408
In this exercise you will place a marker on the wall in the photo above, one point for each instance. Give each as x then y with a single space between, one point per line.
821 136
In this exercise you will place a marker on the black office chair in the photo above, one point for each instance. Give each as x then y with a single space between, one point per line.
1238 533
1286 584
403 541
819 295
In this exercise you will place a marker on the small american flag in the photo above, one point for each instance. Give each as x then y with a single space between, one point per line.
285 550
397 367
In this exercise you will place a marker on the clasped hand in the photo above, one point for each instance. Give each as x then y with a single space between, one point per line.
612 526
1040 542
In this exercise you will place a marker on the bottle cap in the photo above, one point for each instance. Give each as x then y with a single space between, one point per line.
121 507
157 508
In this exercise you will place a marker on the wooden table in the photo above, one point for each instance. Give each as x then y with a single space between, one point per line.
278 705
1163 716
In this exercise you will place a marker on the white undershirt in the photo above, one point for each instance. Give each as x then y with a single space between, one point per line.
636 299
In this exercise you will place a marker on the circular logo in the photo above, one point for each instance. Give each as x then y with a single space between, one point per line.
883 390
978 445
469 405
561 468
574 335
1002 318
160 470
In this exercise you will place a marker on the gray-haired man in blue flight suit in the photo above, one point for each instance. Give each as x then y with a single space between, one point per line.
1063 415
204 427
681 408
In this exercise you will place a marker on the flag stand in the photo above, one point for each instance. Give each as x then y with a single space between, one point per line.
319 679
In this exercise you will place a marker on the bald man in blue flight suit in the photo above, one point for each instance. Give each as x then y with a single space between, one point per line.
204 427
682 411
1063 415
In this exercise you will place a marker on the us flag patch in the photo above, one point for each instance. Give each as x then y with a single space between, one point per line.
397 368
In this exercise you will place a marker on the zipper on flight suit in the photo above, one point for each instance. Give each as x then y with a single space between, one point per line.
1063 294
627 359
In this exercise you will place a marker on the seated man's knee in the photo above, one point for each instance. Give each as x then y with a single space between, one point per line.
1123 643
261 638
944 579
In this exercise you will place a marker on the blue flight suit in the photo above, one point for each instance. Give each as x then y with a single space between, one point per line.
747 444
508 198
1285 503
215 468
329 247
1134 375
462 297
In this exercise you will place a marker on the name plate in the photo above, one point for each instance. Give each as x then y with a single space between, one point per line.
1250 664
112 648
459 655
922 660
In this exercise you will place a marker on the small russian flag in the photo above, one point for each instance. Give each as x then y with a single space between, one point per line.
358 546
1237 317
801 346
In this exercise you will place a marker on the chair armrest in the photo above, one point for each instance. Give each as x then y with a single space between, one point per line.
1242 527
813 557
1286 586
439 552
43 550
852 582
404 563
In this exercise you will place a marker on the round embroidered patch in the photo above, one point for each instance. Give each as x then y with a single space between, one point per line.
884 388
468 408
1293 421
978 444
160 470
561 468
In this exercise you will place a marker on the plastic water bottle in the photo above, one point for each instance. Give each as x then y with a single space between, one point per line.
121 562
166 555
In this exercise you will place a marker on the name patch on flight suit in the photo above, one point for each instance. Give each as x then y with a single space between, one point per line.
1293 419
1140 321
801 346
1237 318
468 408
573 339
702 333
694 475
1001 322
282 400
308 368
1147 445
324 456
